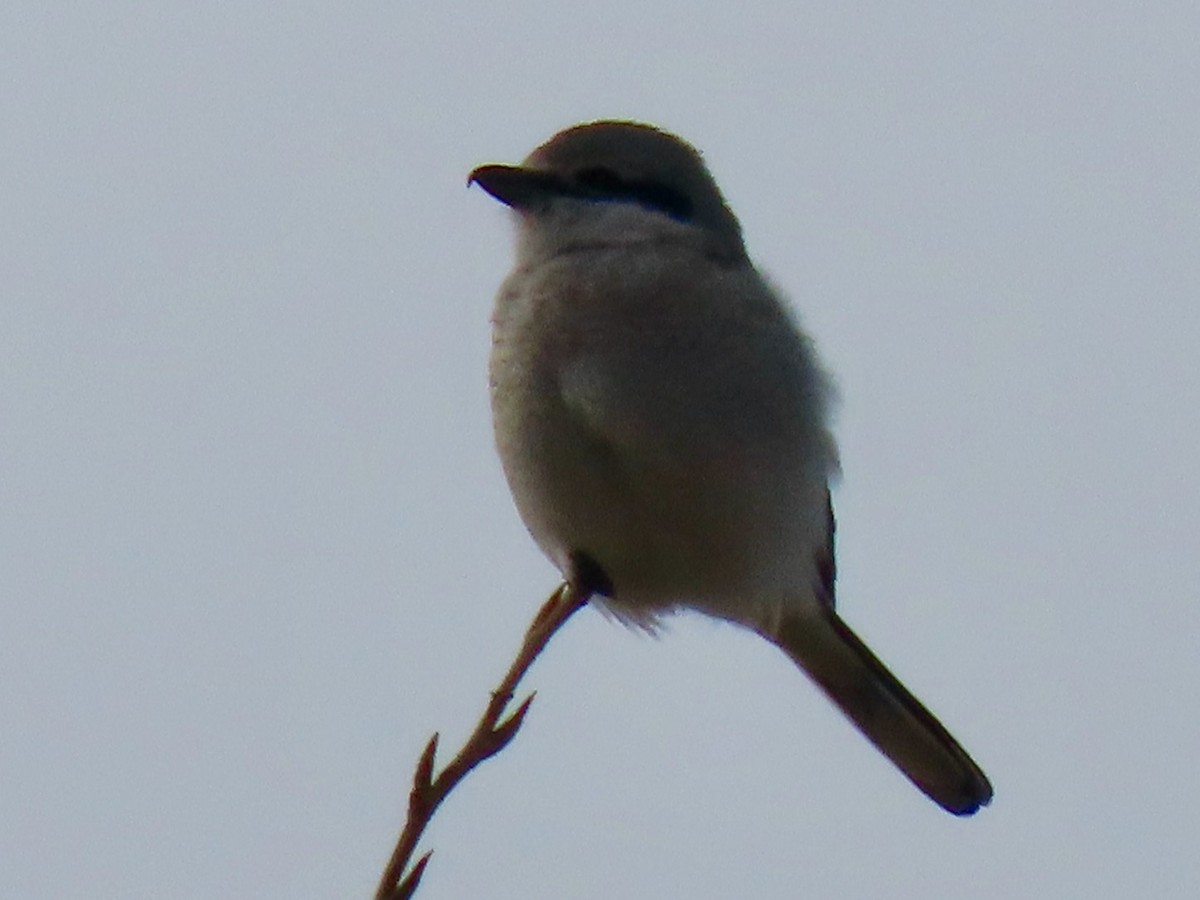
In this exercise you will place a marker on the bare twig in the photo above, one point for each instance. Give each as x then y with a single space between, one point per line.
491 735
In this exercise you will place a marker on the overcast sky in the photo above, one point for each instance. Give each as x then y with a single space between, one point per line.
255 546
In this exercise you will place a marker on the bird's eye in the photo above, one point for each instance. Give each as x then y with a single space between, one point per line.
599 178
598 183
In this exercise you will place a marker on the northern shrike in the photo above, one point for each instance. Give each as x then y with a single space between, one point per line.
664 423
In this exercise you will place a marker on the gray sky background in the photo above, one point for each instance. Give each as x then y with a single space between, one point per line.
255 545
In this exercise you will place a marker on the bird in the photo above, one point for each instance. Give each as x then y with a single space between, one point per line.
663 422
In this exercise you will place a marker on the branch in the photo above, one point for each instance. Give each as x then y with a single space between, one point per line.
491 735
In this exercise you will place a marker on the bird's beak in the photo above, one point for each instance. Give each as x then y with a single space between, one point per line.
518 187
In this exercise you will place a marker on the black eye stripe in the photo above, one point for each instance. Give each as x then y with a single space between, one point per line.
603 184
600 179
663 198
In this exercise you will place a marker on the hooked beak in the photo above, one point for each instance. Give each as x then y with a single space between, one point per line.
518 187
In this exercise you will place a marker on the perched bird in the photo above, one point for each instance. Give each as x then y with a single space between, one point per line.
663 422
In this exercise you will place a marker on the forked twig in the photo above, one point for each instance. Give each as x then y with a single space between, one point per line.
491 735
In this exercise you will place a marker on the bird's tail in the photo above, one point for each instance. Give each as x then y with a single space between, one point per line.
884 710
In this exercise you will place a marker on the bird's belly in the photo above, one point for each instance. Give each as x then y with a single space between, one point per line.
721 535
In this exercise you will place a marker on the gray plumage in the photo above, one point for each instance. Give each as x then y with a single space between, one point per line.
663 421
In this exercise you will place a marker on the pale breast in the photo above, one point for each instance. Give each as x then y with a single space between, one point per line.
672 427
